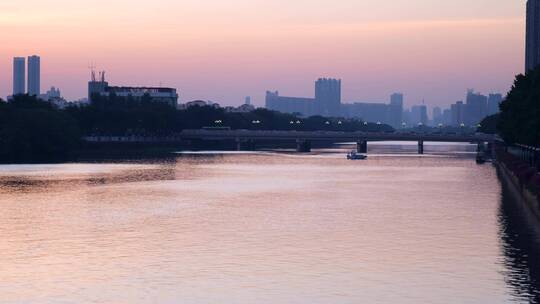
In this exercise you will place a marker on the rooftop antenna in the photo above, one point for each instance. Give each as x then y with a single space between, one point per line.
92 68
102 76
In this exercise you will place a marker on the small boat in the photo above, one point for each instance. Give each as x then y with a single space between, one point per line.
353 155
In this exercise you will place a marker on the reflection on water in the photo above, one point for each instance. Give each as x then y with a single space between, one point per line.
520 235
264 228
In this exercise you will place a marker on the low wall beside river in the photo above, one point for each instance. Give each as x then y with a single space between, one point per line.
521 180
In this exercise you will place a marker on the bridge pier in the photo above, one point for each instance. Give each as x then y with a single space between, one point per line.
361 147
481 147
245 145
420 147
303 146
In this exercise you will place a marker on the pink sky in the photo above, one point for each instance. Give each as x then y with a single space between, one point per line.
225 50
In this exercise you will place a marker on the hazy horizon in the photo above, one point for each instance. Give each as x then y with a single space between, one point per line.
427 49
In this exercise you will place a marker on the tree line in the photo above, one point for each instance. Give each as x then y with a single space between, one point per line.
32 130
519 117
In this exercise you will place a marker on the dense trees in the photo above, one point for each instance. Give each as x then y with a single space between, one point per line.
489 124
520 113
34 131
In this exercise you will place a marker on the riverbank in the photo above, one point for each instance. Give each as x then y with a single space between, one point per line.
520 179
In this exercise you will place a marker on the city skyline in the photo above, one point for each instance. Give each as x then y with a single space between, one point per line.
206 56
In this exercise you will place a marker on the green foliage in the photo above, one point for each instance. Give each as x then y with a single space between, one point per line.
520 112
489 124
34 131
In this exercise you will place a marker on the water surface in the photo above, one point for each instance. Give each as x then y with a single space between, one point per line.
266 228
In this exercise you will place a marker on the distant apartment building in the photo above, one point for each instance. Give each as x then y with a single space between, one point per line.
419 114
447 117
154 94
494 102
395 110
34 75
19 75
300 105
366 111
328 97
327 101
532 41
458 113
437 116
476 108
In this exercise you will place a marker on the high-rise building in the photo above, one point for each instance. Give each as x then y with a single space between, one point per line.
532 43
395 110
476 108
437 116
447 117
457 113
328 96
419 115
34 75
494 101
19 78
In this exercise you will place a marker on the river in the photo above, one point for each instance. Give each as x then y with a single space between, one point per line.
266 227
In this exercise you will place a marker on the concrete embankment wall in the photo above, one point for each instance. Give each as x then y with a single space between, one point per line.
518 191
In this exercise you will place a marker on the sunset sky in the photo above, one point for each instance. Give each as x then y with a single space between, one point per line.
225 50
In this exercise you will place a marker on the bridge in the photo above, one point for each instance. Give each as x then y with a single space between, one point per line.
245 139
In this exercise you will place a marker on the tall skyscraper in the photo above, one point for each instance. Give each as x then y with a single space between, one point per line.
532 44
476 108
457 113
437 116
419 115
395 110
19 70
34 75
328 96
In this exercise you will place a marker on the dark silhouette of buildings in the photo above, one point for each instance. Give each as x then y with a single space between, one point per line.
494 101
377 112
34 75
476 108
19 75
328 97
458 113
532 44
395 110
154 94
327 101
300 105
